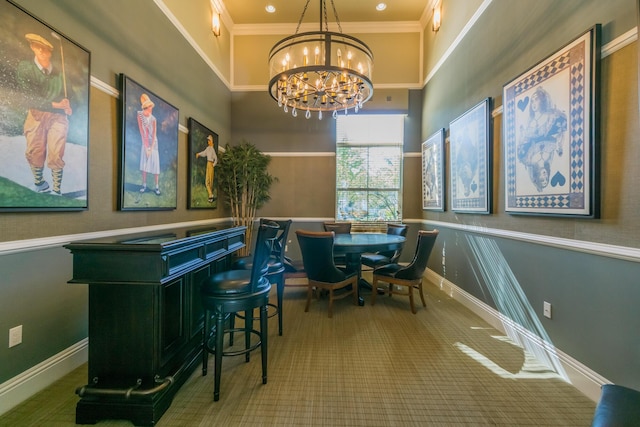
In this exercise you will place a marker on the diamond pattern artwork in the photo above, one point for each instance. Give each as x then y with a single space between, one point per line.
548 143
469 160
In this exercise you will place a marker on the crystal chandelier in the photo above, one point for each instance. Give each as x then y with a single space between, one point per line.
320 71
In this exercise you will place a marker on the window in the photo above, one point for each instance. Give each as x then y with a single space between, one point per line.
369 168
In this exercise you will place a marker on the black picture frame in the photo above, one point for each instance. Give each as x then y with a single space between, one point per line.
551 133
433 172
138 187
199 196
470 160
39 173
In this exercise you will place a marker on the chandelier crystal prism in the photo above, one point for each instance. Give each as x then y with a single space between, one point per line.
320 71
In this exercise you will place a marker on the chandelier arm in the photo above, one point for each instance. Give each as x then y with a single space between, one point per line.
323 10
302 16
335 13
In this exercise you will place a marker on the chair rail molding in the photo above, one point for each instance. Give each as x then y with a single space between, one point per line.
593 248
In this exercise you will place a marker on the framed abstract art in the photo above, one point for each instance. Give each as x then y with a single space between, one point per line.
550 133
470 160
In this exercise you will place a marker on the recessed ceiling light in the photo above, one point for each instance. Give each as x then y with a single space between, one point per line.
381 6
270 8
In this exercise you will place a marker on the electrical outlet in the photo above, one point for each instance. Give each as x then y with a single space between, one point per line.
547 310
15 336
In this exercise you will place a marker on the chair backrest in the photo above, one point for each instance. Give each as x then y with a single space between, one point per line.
317 256
280 243
267 233
396 230
338 227
415 270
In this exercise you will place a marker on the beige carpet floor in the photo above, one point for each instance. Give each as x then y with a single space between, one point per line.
367 366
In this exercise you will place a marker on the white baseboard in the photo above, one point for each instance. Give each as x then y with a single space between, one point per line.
20 388
580 376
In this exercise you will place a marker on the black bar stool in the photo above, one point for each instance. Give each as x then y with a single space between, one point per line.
276 266
228 292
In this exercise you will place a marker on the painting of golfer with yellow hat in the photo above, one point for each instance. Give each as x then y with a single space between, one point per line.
44 97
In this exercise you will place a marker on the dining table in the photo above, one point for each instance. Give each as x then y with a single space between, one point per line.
353 245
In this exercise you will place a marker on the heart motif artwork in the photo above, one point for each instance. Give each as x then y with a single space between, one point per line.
522 104
558 179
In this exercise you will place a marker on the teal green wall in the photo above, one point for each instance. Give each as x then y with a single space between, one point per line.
594 298
123 36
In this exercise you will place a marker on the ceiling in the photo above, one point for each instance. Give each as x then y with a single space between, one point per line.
252 12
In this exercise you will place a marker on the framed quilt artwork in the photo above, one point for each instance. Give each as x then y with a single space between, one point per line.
470 160
433 172
550 133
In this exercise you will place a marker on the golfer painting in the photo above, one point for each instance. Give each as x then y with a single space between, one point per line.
203 161
44 90
47 123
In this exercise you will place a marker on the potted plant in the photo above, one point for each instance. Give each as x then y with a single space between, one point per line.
244 178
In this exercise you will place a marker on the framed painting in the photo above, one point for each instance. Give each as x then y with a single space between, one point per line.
550 132
203 158
433 172
470 160
149 149
44 115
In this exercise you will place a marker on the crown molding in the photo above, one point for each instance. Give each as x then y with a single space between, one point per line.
347 27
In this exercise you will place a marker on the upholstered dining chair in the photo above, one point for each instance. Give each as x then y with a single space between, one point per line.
322 273
379 259
276 264
409 276
225 293
338 228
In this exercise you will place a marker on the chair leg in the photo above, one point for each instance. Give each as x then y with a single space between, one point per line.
309 292
205 338
424 303
413 307
354 292
218 355
248 326
264 333
330 303
232 325
374 290
280 297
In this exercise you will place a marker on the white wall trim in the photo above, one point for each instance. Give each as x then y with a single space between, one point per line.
600 249
176 23
454 45
580 376
594 248
21 387
17 246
